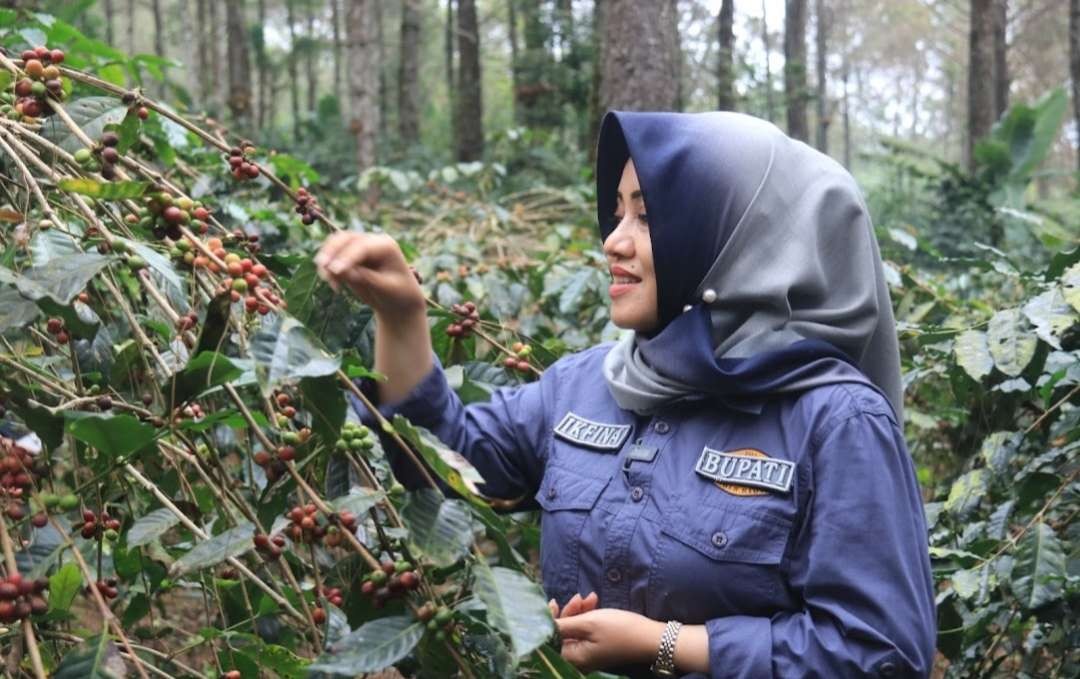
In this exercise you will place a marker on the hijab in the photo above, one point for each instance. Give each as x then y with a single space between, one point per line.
769 277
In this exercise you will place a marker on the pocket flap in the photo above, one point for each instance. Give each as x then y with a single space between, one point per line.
731 534
568 489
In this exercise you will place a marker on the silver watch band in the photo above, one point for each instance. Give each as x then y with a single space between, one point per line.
664 666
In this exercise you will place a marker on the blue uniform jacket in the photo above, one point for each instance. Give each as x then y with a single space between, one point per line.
792 527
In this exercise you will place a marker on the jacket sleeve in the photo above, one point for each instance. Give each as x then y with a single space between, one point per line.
861 565
504 438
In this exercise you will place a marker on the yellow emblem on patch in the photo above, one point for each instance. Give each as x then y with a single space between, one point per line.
743 490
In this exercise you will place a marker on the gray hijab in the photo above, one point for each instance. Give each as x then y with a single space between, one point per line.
767 246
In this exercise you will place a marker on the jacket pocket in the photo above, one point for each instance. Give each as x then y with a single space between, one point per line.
732 534
567 499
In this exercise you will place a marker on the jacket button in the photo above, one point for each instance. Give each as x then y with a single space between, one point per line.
552 493
662 427
637 493
887 669
719 539
614 575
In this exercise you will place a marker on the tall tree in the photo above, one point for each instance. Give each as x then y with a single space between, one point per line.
109 17
515 57
159 29
311 58
409 73
294 75
1001 60
535 96
262 64
384 98
363 69
131 26
795 68
470 115
980 75
203 57
824 20
766 40
335 18
217 73
449 51
640 73
1074 63
239 66
725 62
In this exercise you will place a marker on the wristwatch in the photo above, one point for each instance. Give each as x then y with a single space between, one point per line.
664 665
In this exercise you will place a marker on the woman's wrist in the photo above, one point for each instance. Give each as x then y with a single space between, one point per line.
402 354
647 640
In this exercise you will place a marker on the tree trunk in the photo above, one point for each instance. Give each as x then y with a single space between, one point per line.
536 95
448 52
409 73
131 26
639 74
770 98
384 98
515 58
191 75
795 69
595 112
159 29
202 59
363 55
239 66
824 22
294 75
980 75
470 141
725 64
311 60
262 64
1074 63
335 12
1001 62
109 16
218 58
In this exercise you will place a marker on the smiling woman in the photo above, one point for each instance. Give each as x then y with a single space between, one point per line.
726 491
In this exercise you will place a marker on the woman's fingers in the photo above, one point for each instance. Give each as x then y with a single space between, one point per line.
330 249
554 608
572 607
590 602
574 627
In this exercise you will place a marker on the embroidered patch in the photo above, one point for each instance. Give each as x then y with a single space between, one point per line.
577 429
746 471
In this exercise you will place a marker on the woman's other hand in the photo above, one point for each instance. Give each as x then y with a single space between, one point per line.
373 267
575 606
600 638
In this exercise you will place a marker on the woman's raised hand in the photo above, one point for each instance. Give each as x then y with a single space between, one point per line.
373 267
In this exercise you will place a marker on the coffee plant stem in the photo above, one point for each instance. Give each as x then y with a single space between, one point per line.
107 616
388 428
201 534
30 181
72 638
1015 539
44 379
27 626
1051 409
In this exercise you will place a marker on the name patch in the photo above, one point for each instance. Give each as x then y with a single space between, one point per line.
741 471
577 429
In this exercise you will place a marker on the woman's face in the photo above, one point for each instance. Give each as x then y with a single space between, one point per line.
629 254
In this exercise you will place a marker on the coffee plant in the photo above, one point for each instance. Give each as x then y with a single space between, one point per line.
186 492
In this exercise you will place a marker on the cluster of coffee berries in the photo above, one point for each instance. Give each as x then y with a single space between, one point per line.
307 206
269 547
98 525
164 216
520 360
63 502
42 79
19 469
438 619
107 588
20 597
108 154
305 525
285 407
192 411
356 438
470 317
141 112
240 166
187 321
55 327
392 579
232 674
333 595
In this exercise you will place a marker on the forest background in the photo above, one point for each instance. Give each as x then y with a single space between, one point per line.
466 129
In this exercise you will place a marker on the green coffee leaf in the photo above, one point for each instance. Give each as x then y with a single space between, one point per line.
151 526
1038 576
232 542
438 528
375 646
515 606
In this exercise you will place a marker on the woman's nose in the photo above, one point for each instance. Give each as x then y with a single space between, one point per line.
619 243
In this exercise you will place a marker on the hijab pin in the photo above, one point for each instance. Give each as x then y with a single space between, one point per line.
688 307
709 296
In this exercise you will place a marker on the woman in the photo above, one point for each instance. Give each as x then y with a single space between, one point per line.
727 491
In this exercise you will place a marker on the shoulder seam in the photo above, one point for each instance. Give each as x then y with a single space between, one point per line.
852 410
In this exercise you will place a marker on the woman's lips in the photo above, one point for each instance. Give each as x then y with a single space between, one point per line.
619 289
622 282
